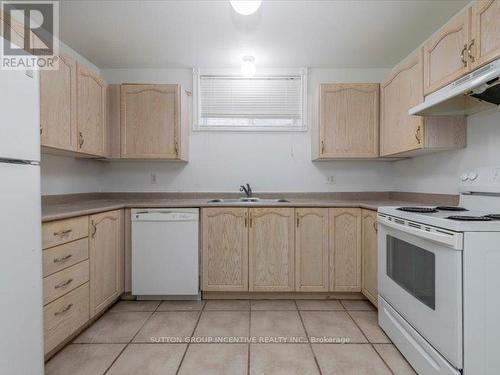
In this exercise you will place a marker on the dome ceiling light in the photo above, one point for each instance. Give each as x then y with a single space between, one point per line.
245 7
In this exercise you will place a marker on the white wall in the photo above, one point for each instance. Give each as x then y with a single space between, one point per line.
221 161
439 173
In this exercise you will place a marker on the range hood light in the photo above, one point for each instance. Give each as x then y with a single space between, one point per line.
245 7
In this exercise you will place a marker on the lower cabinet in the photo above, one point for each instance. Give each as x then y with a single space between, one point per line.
271 249
106 259
369 256
345 249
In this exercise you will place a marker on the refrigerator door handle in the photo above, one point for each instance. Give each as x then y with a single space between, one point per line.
19 161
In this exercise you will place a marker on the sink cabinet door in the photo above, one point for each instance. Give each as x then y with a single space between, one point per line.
311 250
345 249
271 249
225 249
369 256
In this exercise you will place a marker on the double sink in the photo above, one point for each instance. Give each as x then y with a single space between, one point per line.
248 200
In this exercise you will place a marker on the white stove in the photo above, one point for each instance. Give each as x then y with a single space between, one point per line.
439 279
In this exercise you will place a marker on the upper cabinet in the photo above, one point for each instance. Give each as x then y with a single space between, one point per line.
58 106
485 43
91 112
348 121
445 53
154 122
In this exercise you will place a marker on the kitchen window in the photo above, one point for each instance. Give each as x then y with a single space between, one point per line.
231 102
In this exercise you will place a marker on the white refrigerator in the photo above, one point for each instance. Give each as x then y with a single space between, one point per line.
21 313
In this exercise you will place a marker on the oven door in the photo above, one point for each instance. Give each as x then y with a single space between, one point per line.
420 276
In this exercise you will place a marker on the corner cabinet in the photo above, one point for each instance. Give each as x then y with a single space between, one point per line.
91 112
369 255
154 122
345 249
106 259
225 249
271 249
347 124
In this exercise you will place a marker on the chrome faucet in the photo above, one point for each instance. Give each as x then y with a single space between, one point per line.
247 190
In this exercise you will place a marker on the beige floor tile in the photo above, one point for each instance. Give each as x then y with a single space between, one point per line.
181 306
223 324
349 359
357 305
230 304
276 359
368 322
215 359
334 326
83 359
149 359
165 326
311 304
276 324
114 328
273 304
122 306
391 355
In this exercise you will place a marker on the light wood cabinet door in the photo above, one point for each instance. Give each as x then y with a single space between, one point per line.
401 91
106 253
225 249
349 120
445 53
311 250
345 249
271 249
91 112
58 106
485 32
150 121
369 255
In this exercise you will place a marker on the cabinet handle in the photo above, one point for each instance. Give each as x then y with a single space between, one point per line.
93 229
63 233
322 147
41 129
246 219
298 220
418 135
251 220
64 311
63 258
176 148
375 226
469 51
81 141
462 55
63 284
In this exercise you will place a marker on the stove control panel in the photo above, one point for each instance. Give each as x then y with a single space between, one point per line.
480 180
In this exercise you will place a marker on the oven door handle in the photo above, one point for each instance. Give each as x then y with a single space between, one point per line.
453 240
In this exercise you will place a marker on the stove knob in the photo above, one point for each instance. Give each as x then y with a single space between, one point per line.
472 176
464 177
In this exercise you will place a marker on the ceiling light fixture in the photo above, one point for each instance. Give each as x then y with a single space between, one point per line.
245 7
248 66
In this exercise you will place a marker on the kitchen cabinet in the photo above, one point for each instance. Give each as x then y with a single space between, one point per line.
348 125
154 122
271 249
311 250
58 106
485 42
106 259
369 255
225 249
345 249
91 112
445 53
402 135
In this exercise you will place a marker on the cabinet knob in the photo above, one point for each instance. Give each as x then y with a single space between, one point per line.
81 141
176 148
418 135
322 147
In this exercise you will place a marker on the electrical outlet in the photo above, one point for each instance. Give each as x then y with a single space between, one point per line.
330 180
153 179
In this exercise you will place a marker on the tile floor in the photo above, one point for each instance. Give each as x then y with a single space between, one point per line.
268 337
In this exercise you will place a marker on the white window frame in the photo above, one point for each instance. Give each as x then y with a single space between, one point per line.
198 126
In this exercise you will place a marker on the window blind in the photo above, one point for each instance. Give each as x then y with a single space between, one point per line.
251 98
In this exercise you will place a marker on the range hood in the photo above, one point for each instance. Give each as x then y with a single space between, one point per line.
475 92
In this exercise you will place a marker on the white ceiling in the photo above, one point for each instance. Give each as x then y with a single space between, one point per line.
208 33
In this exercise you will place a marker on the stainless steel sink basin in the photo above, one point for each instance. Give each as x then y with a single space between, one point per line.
248 200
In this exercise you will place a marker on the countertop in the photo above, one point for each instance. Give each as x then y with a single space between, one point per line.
85 204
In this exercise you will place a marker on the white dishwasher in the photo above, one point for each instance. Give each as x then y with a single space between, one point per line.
165 253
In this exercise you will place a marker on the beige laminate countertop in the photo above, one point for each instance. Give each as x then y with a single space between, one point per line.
56 211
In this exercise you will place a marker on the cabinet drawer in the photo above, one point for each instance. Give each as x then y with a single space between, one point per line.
64 256
60 283
63 231
65 315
